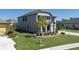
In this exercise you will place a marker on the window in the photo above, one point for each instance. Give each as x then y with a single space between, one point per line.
25 18
38 17
48 17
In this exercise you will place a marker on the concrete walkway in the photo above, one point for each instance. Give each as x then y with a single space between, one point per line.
6 43
70 33
63 47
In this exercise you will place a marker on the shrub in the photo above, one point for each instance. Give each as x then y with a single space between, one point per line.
13 34
45 33
62 33
28 35
76 28
48 33
52 33
56 30
38 34
10 32
34 35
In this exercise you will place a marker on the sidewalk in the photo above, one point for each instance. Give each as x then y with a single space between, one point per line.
63 47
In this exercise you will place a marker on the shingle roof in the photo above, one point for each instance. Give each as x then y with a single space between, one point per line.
3 21
6 21
35 12
71 21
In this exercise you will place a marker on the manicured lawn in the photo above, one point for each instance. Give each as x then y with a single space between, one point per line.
77 48
24 41
71 30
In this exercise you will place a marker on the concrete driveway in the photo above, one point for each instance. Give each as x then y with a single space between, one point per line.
6 43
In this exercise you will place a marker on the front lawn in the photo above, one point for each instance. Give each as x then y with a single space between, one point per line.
71 30
24 41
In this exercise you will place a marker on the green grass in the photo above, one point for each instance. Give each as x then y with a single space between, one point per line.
25 41
71 30
77 48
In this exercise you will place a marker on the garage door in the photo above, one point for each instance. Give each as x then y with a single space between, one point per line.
2 31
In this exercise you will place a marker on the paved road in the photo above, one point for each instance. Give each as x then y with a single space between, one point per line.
63 47
6 43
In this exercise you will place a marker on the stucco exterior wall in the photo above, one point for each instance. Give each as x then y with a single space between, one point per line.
31 22
19 23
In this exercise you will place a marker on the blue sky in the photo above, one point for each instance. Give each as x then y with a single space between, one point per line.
60 13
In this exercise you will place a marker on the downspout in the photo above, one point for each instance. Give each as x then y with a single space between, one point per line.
54 24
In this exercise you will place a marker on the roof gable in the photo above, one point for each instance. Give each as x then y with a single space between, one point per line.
36 11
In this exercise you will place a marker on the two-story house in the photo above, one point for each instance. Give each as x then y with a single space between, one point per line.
27 22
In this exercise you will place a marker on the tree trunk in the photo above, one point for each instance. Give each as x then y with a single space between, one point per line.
46 30
41 29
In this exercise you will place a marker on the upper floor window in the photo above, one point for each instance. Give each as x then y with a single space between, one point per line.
24 18
47 17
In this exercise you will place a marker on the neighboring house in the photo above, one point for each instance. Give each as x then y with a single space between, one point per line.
27 22
72 23
4 25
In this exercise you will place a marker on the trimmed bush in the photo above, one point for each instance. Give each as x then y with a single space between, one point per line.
52 33
10 32
13 34
62 33
29 35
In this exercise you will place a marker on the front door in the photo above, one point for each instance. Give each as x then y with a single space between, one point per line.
48 28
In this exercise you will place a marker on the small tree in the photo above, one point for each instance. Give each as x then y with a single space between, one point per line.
42 23
60 25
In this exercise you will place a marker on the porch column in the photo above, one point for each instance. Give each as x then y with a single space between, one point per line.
41 29
51 27
46 29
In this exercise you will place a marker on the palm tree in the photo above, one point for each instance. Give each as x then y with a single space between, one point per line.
42 23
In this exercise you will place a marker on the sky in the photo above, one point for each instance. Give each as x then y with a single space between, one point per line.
59 13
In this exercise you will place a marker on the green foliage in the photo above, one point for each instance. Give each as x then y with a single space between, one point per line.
31 43
12 34
71 30
59 26
42 18
42 21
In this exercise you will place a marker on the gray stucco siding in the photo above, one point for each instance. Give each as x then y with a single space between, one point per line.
32 23
29 22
